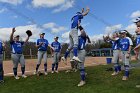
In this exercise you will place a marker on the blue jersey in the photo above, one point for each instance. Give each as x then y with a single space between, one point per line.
44 46
75 20
124 44
1 47
138 40
16 47
56 46
81 42
115 44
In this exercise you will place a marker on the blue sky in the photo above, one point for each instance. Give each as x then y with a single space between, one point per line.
54 17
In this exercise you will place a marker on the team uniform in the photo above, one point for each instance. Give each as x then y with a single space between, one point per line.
116 53
137 43
81 56
124 46
17 56
1 61
42 53
56 54
73 35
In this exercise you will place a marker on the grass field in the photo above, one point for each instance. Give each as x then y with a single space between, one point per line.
98 81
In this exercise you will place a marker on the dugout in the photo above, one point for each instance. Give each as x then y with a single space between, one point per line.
103 52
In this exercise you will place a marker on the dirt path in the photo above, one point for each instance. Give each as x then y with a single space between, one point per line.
31 65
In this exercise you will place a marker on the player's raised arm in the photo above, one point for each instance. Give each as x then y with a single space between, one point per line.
84 13
12 34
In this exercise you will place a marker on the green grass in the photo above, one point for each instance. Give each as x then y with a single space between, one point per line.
98 81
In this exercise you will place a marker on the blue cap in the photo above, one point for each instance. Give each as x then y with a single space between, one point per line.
78 13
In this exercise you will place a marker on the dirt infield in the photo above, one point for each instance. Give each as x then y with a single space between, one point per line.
31 65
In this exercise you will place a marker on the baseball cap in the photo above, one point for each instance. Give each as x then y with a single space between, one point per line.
56 37
78 13
42 33
123 31
137 20
16 36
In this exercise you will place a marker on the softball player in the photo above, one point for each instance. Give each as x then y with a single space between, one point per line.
17 53
2 45
42 45
73 35
56 54
125 46
116 51
81 55
136 49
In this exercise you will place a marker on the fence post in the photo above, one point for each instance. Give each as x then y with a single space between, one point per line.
4 55
31 53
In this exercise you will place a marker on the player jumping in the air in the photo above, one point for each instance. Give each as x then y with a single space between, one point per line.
73 35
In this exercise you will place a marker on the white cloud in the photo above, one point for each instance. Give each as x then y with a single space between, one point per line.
96 37
3 10
47 3
14 2
54 28
59 5
112 28
131 28
135 14
20 30
64 7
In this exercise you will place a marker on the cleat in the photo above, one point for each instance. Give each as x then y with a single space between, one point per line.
64 60
125 78
56 71
71 60
76 59
67 71
35 73
82 83
16 77
45 73
24 76
1 81
114 73
52 72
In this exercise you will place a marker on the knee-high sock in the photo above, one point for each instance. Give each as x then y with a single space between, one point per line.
15 71
45 67
56 66
119 67
37 67
66 53
75 51
116 67
23 70
82 74
53 65
126 71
